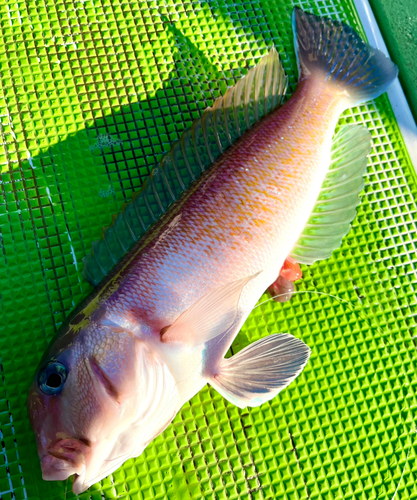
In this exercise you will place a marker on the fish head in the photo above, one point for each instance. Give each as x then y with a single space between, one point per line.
82 398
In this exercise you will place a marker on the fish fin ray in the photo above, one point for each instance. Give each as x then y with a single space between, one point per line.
336 205
209 317
261 370
253 96
337 52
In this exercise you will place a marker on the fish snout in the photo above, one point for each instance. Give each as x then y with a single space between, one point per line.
58 469
63 459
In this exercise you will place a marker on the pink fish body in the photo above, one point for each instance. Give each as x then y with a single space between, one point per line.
157 330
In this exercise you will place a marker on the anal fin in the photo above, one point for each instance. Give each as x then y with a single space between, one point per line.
260 371
336 205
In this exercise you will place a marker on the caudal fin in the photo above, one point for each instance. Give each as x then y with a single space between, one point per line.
336 51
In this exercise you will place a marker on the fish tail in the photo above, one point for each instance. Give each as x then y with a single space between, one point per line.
341 56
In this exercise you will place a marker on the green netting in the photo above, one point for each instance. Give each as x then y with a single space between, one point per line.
91 94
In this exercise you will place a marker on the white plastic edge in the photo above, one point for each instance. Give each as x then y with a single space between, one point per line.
395 93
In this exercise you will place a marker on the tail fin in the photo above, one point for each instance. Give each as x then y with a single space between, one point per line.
337 51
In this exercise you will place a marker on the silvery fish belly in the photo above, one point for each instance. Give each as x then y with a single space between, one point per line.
158 327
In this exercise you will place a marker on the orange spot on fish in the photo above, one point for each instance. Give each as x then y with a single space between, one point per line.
291 270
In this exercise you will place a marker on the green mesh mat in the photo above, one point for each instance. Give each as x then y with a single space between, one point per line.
92 92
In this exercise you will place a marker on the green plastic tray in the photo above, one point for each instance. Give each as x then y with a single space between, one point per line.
398 24
92 92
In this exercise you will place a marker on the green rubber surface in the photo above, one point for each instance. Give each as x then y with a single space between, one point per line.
397 20
91 94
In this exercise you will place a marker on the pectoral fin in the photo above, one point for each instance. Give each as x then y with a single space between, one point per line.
260 371
210 316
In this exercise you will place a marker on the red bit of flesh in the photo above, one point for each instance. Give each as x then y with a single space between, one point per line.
291 270
281 289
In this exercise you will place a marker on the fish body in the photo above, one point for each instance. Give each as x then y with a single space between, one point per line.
158 328
239 219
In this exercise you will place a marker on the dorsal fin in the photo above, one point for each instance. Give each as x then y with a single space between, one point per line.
336 205
254 96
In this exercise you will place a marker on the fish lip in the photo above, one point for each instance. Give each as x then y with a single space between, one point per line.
63 459
61 456
58 469
78 486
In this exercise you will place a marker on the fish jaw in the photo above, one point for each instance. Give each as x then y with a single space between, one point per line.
61 456
56 469
71 457
65 458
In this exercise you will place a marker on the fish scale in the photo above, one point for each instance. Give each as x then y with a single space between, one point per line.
245 204
157 328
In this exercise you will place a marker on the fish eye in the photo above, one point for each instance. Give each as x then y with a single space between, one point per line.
52 378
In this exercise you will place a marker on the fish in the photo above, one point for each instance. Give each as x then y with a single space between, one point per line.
156 330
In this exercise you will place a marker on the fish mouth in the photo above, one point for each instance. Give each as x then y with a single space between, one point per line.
63 459
59 469
56 469
78 485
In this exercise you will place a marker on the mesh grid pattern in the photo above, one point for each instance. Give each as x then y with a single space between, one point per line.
92 93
